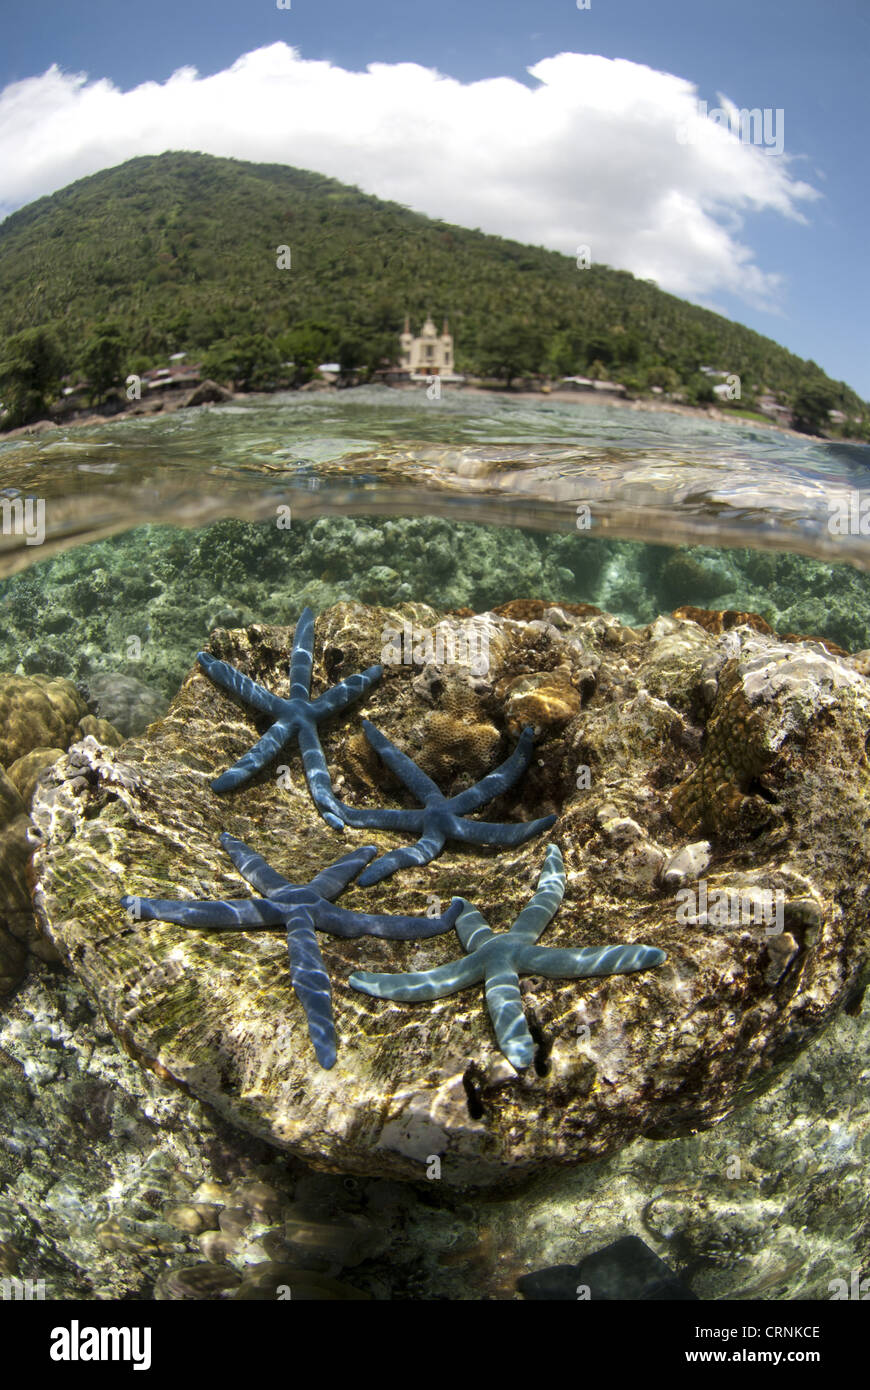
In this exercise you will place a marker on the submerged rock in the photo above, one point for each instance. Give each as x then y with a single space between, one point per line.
625 1270
772 773
772 1203
208 393
40 717
126 702
26 771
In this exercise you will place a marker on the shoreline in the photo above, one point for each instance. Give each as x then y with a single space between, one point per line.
651 407
177 399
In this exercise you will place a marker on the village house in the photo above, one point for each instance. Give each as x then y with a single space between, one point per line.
769 405
181 373
586 383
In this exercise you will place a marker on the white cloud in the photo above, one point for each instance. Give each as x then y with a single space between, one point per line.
591 155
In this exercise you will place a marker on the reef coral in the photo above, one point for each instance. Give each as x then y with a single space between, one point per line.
37 711
125 701
41 716
714 797
458 733
169 587
666 1054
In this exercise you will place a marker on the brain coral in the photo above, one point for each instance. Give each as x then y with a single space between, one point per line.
36 711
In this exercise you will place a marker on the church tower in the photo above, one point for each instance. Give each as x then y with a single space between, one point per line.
406 341
446 348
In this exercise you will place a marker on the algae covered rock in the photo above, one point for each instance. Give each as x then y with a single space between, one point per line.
763 951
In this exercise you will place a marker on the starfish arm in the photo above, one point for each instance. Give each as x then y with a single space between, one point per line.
401 765
427 848
505 834
317 775
543 907
498 781
572 964
237 914
335 877
504 1002
253 867
472 929
311 983
340 922
229 678
381 818
418 985
345 692
256 758
302 655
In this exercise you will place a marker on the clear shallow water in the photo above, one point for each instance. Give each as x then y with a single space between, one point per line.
162 528
655 477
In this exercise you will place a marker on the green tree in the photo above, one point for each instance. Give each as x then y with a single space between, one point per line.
665 377
378 349
626 347
510 349
562 355
351 354
810 405
31 365
251 361
599 349
699 390
102 359
307 344
634 385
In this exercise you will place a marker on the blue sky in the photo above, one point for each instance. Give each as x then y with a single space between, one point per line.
775 241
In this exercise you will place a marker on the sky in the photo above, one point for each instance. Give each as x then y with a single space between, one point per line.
556 125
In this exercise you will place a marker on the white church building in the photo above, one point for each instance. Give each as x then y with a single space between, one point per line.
429 355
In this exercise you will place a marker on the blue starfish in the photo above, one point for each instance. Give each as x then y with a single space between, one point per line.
297 716
441 818
499 961
300 909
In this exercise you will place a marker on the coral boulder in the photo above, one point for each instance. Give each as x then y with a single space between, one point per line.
711 790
